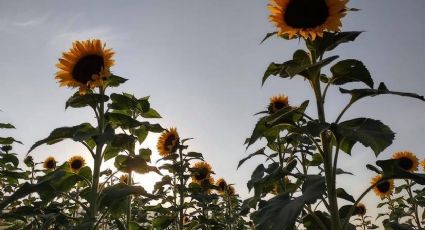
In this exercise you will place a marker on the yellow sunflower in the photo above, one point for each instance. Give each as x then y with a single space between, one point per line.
360 209
76 163
277 102
406 160
124 178
49 163
168 142
306 18
85 65
222 185
203 172
383 188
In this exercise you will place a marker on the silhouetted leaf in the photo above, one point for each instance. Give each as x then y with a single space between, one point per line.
350 70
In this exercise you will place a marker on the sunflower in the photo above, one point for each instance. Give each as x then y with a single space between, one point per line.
49 163
306 18
85 65
203 172
168 142
383 188
76 163
360 209
406 160
277 102
222 185
124 178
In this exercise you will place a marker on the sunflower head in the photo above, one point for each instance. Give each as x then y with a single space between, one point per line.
383 188
277 102
360 209
231 190
124 178
168 142
406 160
49 163
202 172
306 18
222 185
76 163
85 65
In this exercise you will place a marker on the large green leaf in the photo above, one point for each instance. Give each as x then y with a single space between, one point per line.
350 70
392 170
371 133
115 81
357 94
123 121
281 211
77 133
330 41
90 99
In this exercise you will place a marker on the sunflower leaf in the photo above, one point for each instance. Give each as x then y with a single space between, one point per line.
268 35
6 126
330 41
115 81
391 170
90 99
8 140
350 70
258 152
357 94
371 133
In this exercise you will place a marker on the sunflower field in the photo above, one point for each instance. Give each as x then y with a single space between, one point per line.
296 152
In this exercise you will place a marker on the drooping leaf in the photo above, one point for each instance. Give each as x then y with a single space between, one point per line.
115 81
258 152
350 70
89 99
330 41
392 170
341 193
268 35
77 133
371 133
8 140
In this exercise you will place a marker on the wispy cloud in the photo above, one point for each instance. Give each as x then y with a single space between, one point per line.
33 21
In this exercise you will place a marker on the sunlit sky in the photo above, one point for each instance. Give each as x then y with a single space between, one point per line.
201 63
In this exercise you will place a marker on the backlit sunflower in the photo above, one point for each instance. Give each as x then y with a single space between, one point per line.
383 188
360 209
168 142
85 65
306 18
277 102
406 160
203 172
49 163
231 190
76 163
124 178
222 185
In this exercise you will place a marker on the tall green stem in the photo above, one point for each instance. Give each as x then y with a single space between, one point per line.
181 191
97 161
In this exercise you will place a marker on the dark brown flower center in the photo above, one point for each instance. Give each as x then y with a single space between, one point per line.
405 163
76 164
306 13
361 210
384 186
171 143
86 67
201 174
50 164
222 185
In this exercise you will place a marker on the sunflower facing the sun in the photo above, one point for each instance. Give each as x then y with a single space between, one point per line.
85 65
406 160
276 103
202 172
168 142
383 188
306 18
76 163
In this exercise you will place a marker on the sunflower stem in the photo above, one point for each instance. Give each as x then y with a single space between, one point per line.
415 206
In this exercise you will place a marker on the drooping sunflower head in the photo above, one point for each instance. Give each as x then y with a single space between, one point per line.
202 172
406 160
277 102
76 163
124 178
222 185
49 163
360 209
306 18
168 142
383 188
85 65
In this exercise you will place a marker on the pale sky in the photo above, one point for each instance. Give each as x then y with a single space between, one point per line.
201 63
